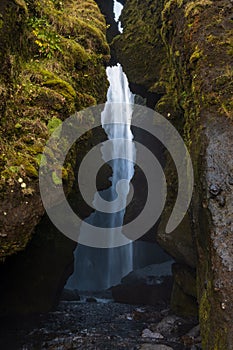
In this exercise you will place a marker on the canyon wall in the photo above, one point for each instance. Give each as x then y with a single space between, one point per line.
183 50
52 63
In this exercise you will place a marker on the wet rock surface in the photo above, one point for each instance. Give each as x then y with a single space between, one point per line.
103 325
151 285
150 274
152 294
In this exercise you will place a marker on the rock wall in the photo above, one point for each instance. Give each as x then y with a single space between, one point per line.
183 50
52 63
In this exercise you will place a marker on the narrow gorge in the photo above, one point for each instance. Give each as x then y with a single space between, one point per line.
161 291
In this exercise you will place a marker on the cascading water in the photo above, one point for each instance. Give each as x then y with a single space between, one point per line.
96 268
117 9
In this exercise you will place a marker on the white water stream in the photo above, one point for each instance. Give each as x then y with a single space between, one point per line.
95 268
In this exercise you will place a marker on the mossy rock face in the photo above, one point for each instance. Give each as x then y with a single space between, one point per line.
52 63
140 48
179 243
195 78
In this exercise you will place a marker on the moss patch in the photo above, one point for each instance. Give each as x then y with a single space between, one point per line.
52 63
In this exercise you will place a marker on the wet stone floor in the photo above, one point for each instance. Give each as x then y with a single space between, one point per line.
103 325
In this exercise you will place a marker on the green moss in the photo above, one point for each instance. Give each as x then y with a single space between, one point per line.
18 126
14 169
204 304
21 4
170 5
52 81
65 173
41 160
56 179
194 7
46 39
216 340
31 171
196 55
140 35
53 124
73 54
52 62
85 100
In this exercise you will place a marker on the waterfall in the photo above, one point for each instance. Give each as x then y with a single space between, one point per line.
95 268
117 9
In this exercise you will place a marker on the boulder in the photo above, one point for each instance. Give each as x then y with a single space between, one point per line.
70 295
144 294
150 275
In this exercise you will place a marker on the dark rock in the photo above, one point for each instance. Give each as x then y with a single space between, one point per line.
192 337
32 281
144 294
221 201
150 275
194 332
147 333
185 277
179 243
183 304
230 180
173 326
91 300
37 258
167 325
214 189
70 295
106 8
